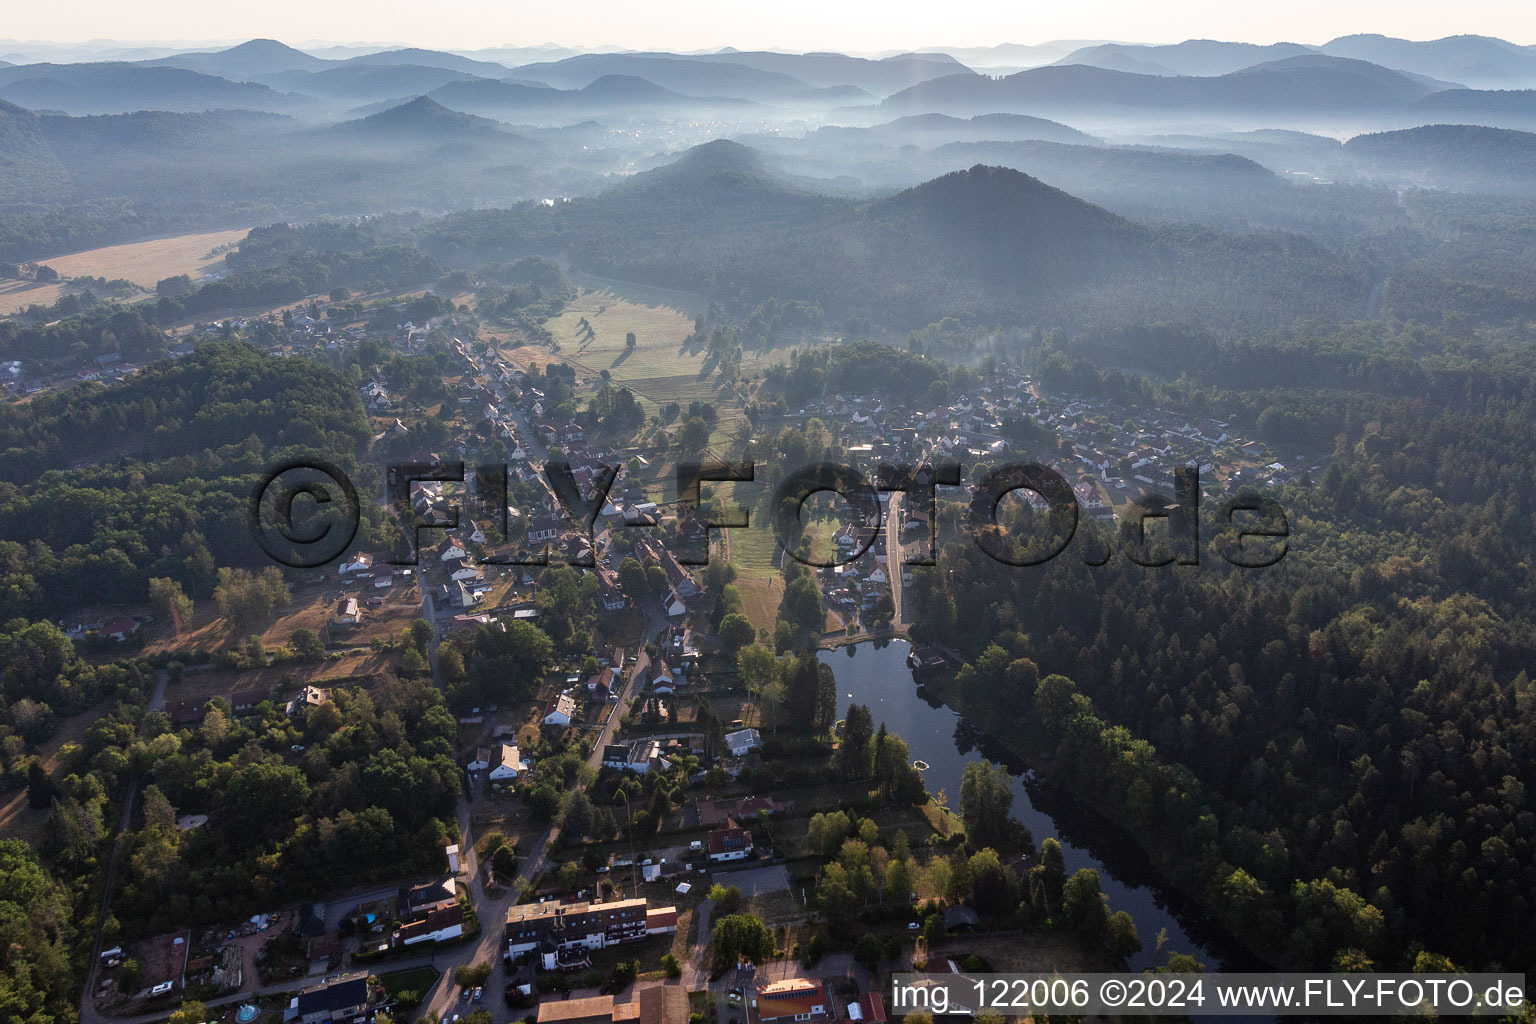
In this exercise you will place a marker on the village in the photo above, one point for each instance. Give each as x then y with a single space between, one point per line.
551 923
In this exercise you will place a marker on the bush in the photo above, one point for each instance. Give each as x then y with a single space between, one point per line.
624 972
472 975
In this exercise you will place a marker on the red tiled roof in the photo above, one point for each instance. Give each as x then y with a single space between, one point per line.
789 998
722 840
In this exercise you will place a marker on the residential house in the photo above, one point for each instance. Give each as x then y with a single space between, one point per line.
438 926
750 808
609 595
246 701
719 813
958 917
601 684
358 563
309 697
184 713
543 528
729 843
118 627
742 741
339 999
560 710
509 762
419 901
637 757
348 613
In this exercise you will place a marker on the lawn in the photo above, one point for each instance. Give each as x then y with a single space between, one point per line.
760 597
754 549
659 334
415 979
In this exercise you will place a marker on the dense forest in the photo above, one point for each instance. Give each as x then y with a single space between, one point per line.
372 798
107 487
1334 752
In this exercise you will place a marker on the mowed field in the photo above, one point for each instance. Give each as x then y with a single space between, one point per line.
143 263
659 369
659 332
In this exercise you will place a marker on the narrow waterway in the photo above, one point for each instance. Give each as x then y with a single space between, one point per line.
878 677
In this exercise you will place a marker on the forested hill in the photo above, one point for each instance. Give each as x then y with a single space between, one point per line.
989 240
1454 156
1008 228
28 167
151 478
222 394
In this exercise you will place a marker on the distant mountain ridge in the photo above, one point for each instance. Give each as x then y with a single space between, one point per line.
251 58
923 129
362 83
689 76
1481 62
516 101
1203 57
1307 83
434 59
1366 74
122 88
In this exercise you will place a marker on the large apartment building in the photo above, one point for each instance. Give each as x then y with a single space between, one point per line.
550 927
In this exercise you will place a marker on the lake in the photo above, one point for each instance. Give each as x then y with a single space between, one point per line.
879 678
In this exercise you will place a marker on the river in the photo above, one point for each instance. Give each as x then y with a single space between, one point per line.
878 677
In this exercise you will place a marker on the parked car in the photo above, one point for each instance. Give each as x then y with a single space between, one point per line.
477 993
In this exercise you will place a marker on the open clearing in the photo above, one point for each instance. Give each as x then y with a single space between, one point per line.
659 368
143 263
659 333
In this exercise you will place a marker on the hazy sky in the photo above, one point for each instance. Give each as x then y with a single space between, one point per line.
786 24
